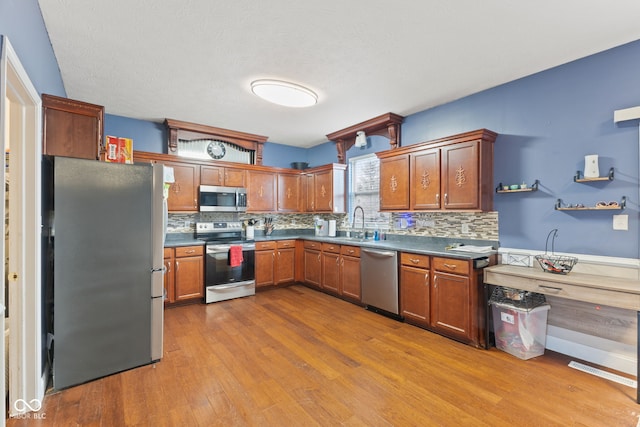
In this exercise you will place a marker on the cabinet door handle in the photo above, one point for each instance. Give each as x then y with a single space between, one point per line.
351 251
177 266
438 198
220 176
190 251
279 254
451 266
446 199
273 255
414 260
435 281
550 288
337 261
426 279
318 257
342 262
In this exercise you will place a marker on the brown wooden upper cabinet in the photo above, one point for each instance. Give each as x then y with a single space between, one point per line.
223 176
321 189
453 173
261 191
289 192
183 193
71 128
394 183
326 188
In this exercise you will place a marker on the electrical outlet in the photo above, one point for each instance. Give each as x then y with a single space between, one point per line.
621 222
187 224
465 228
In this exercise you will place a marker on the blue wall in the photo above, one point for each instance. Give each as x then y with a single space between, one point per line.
279 155
151 136
147 136
547 123
21 21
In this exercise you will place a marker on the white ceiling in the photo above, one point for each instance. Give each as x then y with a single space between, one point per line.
193 60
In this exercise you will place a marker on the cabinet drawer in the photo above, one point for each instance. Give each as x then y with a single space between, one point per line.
353 251
286 244
330 247
183 251
265 246
310 244
168 252
450 265
414 260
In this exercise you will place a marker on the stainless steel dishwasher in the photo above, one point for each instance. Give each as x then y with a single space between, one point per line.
379 278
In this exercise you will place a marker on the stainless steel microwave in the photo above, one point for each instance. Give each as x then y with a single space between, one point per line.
222 199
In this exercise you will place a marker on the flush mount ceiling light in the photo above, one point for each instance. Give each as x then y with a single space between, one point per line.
284 93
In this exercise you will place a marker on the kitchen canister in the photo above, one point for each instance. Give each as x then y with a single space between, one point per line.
250 233
591 169
332 228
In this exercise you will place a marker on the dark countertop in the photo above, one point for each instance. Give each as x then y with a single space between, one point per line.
174 240
415 244
426 247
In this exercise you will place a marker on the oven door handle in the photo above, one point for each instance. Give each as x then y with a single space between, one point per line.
218 249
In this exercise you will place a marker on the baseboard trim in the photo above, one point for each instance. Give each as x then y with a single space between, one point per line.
588 348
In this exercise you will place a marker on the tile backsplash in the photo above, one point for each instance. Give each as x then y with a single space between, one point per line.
467 225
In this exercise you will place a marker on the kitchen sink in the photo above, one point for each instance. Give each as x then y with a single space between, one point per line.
353 239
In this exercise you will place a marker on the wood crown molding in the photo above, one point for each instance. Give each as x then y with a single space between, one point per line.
387 125
188 130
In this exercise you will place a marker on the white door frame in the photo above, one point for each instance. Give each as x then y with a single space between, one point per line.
27 379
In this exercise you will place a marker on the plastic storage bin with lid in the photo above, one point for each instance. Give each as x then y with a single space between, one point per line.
519 322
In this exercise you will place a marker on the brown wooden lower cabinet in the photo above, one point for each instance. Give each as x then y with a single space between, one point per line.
184 278
415 292
275 262
333 268
350 272
265 263
444 295
285 262
313 264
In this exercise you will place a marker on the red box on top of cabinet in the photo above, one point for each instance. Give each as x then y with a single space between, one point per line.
119 150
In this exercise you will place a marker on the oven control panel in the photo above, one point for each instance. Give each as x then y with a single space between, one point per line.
208 227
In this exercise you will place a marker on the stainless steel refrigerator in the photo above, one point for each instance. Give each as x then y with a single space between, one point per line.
104 233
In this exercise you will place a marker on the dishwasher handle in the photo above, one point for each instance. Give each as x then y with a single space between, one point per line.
379 254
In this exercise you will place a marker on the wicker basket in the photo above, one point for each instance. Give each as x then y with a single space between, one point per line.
552 263
556 263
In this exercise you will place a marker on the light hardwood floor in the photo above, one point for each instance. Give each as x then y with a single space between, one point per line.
297 357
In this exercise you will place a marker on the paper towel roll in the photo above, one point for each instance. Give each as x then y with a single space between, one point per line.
332 228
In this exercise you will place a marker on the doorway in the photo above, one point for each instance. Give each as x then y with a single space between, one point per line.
21 124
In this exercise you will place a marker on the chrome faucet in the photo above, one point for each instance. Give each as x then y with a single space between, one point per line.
353 224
